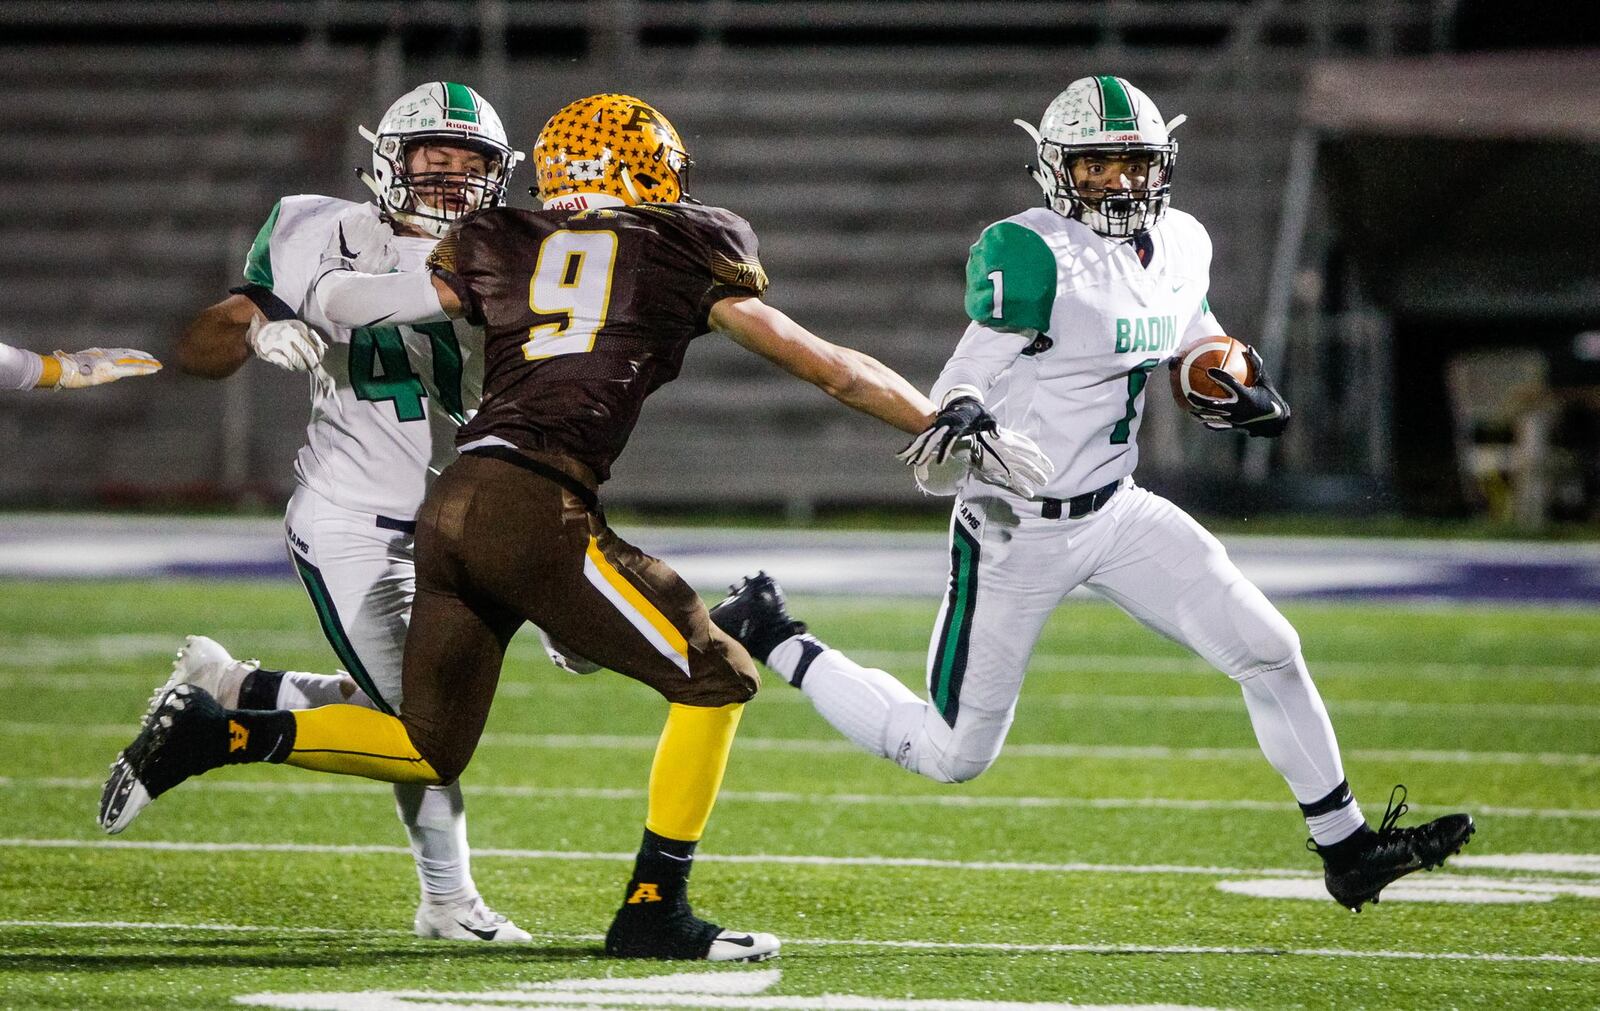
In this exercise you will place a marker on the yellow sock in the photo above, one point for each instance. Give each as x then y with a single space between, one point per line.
356 741
690 760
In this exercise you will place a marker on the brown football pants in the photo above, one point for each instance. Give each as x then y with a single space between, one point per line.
499 544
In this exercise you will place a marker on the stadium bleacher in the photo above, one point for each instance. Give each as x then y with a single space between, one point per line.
132 178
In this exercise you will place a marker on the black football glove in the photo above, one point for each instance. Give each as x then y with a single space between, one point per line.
959 418
1259 410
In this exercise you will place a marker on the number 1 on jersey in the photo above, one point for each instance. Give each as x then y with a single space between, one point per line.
572 278
1136 380
997 279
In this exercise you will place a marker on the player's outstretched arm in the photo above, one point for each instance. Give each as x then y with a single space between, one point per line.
845 374
223 337
354 285
213 345
72 370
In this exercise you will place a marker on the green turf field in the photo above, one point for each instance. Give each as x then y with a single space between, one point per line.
1082 869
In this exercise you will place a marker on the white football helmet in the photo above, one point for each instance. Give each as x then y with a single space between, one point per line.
446 112
1104 115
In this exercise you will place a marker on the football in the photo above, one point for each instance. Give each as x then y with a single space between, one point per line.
1188 368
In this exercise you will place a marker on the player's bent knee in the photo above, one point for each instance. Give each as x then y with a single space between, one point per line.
1265 639
969 749
722 677
957 769
447 758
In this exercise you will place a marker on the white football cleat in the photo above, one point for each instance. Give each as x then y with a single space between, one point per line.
183 734
465 920
733 946
203 662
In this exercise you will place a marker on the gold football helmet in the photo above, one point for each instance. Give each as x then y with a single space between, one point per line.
612 144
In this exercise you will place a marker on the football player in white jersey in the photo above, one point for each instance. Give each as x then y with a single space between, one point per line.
1072 305
21 369
385 404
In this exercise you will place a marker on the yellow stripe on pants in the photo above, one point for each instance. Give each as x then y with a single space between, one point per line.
640 613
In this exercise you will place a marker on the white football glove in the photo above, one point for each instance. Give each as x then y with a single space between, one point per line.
564 658
287 343
95 366
360 242
1011 460
935 478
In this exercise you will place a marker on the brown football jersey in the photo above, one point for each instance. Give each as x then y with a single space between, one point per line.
586 313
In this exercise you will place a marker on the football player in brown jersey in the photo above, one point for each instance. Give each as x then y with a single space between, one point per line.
587 307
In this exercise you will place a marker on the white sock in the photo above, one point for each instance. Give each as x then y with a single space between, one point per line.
302 690
436 820
1295 734
1337 825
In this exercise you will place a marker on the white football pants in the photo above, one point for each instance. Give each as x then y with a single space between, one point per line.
1010 571
361 578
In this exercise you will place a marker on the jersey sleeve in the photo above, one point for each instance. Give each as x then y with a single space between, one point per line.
1204 325
446 263
19 369
1011 279
982 354
731 255
275 278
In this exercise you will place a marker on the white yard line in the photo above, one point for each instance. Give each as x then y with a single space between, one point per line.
793 859
945 800
1337 707
18 653
564 685
911 661
911 945
813 746
783 859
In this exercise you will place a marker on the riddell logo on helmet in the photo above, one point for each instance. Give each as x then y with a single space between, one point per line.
575 202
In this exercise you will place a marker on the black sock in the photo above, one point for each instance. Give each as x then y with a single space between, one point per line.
660 872
259 689
259 735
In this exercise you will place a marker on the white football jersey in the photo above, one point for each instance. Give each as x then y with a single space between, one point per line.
1104 322
386 400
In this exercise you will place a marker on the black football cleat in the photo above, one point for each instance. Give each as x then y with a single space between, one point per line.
668 929
757 616
184 733
1358 869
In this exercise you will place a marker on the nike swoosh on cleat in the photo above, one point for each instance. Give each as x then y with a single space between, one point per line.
483 935
744 942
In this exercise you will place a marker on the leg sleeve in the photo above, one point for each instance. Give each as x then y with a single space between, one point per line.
1171 575
989 620
360 579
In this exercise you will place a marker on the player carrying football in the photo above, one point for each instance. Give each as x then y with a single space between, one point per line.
1072 305
587 307
386 400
